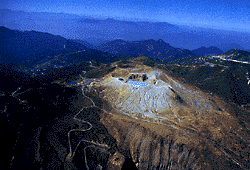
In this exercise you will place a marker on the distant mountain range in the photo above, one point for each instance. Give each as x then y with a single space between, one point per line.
97 31
203 51
30 42
18 44
151 48
155 49
44 50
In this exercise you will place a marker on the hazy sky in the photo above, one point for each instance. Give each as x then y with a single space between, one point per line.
228 14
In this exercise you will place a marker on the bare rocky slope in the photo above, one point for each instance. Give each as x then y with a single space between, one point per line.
164 123
128 116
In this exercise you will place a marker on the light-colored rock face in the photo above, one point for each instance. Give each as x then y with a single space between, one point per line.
152 95
142 98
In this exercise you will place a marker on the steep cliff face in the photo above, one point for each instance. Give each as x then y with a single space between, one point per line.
163 123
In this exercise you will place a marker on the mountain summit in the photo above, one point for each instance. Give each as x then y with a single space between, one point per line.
150 48
203 51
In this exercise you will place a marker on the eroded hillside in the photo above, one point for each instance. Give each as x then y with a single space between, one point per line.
165 108
125 115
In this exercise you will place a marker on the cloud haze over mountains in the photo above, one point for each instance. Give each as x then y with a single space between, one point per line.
98 31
